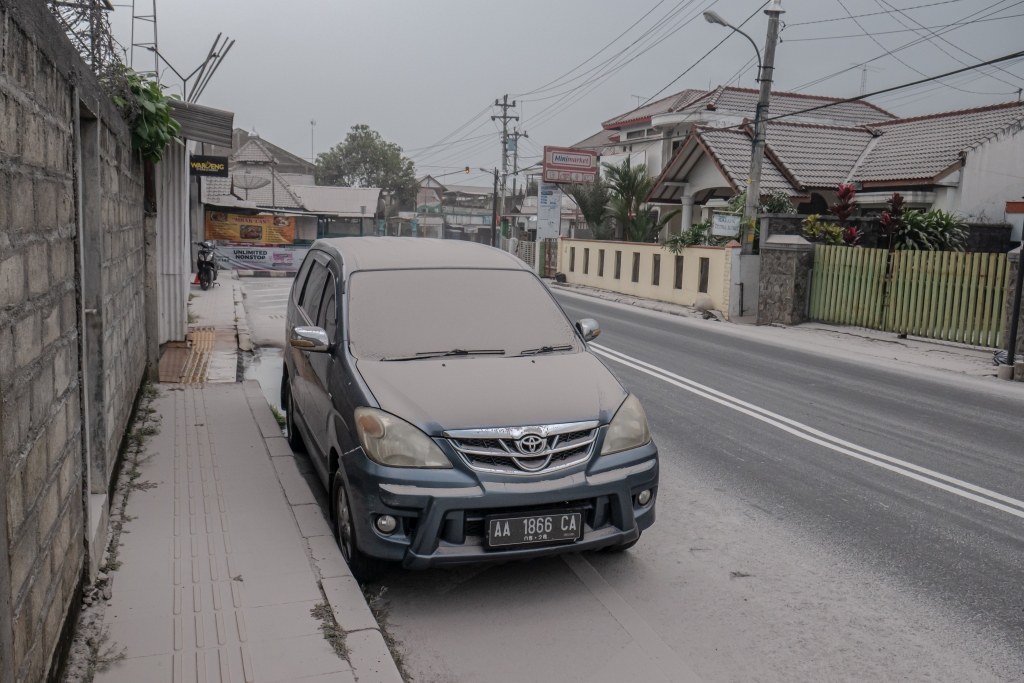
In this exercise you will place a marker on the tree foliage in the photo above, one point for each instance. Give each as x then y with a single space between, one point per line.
146 109
629 185
911 229
697 235
772 202
593 200
365 159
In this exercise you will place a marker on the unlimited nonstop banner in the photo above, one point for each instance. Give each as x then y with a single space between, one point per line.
253 257
259 229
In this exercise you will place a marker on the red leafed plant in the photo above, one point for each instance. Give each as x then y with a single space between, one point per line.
851 236
846 201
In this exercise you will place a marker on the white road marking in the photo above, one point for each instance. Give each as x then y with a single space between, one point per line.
664 657
907 469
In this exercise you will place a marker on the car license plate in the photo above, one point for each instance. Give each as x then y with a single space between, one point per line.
545 527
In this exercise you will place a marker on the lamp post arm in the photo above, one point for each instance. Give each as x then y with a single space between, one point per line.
756 49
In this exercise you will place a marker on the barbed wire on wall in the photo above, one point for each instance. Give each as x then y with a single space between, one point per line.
87 26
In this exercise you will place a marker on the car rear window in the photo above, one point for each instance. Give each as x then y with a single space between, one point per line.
400 313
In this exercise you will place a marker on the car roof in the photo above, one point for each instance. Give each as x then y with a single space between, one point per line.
403 253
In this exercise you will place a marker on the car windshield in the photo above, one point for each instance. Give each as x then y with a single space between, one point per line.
398 314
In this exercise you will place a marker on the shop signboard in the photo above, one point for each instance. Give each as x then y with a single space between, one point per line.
259 257
549 210
725 224
258 229
567 165
208 166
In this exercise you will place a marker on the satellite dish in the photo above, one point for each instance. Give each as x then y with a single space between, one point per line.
250 182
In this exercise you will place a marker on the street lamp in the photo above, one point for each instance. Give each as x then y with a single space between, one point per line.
766 68
713 17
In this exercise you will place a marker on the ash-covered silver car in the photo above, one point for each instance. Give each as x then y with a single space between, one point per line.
454 412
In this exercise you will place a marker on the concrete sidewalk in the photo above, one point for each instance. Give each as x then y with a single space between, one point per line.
226 555
852 343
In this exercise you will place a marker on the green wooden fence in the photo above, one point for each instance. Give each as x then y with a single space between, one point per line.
937 294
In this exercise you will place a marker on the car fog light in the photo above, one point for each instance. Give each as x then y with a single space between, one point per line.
644 497
386 524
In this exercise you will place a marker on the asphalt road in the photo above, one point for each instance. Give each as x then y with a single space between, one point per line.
780 554
818 519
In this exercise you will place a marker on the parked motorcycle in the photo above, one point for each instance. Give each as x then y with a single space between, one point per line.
206 265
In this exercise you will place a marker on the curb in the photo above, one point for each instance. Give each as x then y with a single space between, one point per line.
629 300
241 321
265 273
368 654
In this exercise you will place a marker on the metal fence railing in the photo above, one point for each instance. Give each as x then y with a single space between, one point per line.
952 296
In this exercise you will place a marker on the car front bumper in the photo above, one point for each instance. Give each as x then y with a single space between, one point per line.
441 512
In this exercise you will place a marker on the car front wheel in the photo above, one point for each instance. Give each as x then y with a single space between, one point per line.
294 438
363 567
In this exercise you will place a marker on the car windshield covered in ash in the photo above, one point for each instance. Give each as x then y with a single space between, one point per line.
454 412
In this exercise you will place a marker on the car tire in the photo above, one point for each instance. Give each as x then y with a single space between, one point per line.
294 438
363 567
623 546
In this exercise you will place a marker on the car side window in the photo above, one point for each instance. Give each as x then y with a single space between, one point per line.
314 290
328 310
299 287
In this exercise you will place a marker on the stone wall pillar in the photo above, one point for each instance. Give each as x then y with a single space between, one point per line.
1013 263
785 280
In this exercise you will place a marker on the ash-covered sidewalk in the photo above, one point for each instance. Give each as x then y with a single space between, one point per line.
224 567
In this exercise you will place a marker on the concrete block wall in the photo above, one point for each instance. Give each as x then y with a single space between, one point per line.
43 537
123 269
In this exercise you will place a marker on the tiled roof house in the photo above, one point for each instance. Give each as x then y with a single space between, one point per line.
969 161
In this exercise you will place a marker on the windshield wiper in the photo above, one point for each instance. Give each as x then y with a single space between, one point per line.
546 349
454 352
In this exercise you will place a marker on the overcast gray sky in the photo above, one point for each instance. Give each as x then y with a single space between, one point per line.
417 71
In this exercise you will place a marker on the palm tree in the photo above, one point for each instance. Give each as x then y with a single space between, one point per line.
593 199
630 185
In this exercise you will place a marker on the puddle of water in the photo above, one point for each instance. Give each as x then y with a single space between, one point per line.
266 368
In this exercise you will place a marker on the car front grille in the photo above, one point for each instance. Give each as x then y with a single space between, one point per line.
525 450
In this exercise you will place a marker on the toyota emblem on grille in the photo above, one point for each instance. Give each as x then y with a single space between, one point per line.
531 444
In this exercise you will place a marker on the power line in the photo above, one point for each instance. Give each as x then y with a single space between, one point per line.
869 14
960 23
880 4
706 54
904 30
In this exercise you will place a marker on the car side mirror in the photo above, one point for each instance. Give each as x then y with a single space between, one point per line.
313 339
589 328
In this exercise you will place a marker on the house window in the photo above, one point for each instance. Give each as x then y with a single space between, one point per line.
586 261
675 145
705 269
572 259
600 262
634 134
652 132
618 265
679 272
656 270
636 266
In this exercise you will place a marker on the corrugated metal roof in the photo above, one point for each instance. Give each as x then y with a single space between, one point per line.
924 146
203 124
338 201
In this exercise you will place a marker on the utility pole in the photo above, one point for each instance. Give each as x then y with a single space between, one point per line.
312 152
505 118
516 134
760 126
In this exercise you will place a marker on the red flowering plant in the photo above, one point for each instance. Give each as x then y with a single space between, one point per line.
893 220
846 201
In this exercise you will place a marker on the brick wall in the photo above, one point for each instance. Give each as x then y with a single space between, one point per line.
42 468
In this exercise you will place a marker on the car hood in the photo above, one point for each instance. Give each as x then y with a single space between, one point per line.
485 391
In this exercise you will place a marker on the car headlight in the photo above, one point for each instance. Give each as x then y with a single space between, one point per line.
628 429
388 440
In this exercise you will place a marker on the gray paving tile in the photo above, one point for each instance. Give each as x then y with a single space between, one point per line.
311 521
292 658
286 620
327 556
